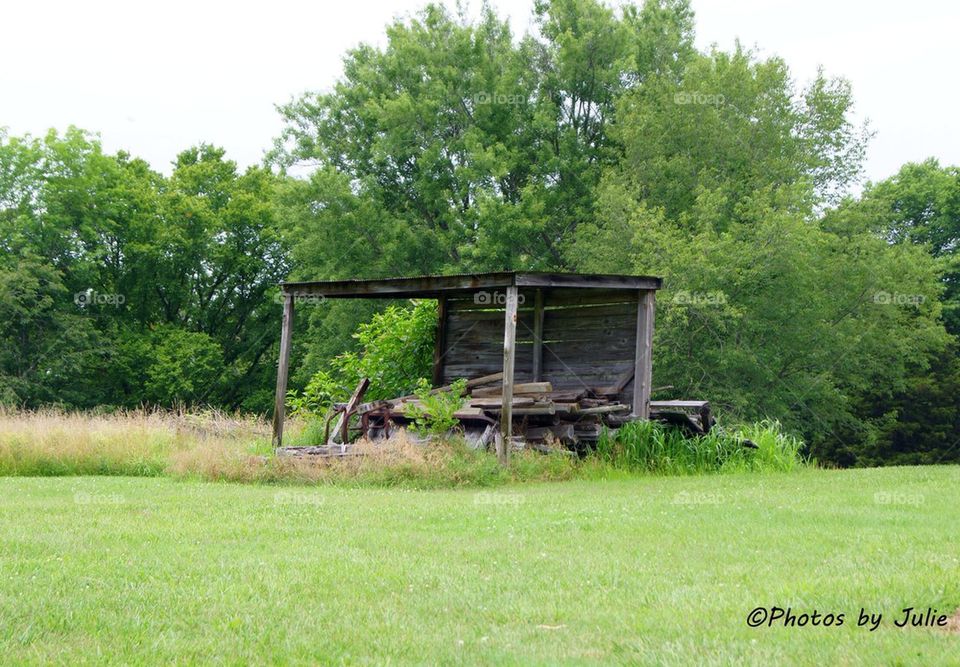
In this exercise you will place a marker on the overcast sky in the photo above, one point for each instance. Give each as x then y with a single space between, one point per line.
156 78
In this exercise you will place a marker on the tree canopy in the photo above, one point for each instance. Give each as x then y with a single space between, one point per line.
125 287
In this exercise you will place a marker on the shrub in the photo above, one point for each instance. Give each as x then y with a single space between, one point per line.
436 416
652 447
396 352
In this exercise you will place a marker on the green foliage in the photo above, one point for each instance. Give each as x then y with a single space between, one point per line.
184 367
435 414
769 309
917 420
395 352
919 205
652 447
457 146
111 273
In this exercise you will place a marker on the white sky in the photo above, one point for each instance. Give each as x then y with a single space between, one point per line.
156 78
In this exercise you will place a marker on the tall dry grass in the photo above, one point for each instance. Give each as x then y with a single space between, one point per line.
222 447
218 446
129 442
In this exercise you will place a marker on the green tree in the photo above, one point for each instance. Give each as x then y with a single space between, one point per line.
767 310
921 205
918 207
457 147
105 259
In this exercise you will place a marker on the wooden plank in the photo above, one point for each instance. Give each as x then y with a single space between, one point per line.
487 315
604 409
366 407
590 352
559 371
497 403
470 304
400 410
568 396
467 364
538 335
594 281
343 421
440 343
623 336
433 286
535 410
561 432
417 286
592 312
509 350
623 325
471 383
691 405
283 371
643 372
619 385
484 379
462 331
518 388
581 297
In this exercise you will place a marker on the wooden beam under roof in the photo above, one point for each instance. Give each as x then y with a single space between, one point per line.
434 286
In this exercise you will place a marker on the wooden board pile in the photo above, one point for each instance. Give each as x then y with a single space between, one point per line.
542 417
573 418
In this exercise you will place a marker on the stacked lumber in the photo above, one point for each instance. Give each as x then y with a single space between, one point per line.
542 416
574 418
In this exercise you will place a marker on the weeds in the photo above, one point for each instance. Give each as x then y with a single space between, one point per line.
651 447
221 447
435 414
139 443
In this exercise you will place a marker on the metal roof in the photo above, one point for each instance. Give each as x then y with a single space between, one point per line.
432 286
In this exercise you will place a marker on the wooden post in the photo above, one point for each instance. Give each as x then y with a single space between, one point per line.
643 359
283 370
509 354
537 335
440 342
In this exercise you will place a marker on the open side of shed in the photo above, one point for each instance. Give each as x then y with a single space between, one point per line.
574 331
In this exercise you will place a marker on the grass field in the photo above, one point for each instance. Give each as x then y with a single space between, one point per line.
641 570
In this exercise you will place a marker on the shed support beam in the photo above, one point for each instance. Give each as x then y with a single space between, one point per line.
537 335
283 371
440 345
509 354
643 359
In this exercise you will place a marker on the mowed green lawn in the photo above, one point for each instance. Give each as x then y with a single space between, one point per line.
641 570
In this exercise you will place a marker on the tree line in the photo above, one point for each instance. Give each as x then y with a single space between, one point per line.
603 141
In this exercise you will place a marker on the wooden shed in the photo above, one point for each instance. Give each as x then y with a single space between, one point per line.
572 330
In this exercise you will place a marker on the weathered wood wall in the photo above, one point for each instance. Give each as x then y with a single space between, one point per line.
589 337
